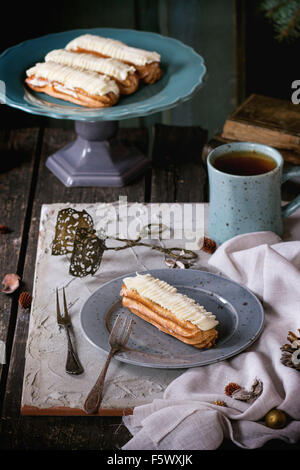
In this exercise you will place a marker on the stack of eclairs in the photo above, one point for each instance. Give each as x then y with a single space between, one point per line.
93 71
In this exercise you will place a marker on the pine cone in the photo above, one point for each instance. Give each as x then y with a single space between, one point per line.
231 387
209 246
289 350
25 300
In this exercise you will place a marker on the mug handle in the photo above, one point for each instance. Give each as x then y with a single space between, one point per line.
289 208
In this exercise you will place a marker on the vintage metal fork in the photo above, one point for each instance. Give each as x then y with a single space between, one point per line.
73 365
117 340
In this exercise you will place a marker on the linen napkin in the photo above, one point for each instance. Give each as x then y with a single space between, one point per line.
186 418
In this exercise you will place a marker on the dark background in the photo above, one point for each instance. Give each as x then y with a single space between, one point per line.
236 40
270 66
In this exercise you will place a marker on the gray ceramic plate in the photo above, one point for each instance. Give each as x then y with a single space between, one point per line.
240 316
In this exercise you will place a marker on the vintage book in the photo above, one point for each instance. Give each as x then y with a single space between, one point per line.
269 121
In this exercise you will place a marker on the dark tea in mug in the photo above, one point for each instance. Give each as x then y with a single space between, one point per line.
244 163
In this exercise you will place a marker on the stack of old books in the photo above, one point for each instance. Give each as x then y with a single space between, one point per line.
264 120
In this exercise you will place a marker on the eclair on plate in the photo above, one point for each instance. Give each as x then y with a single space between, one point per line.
71 84
125 75
147 63
160 304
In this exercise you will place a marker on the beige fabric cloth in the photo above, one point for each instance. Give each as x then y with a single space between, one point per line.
186 419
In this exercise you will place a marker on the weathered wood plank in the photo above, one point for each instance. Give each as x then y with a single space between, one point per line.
57 192
18 153
178 173
59 432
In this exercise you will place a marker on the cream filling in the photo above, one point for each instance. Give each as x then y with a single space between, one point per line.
37 82
63 89
57 86
91 82
167 296
112 67
113 48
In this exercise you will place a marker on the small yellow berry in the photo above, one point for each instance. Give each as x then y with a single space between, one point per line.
276 419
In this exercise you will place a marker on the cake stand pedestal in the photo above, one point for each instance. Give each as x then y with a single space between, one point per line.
97 157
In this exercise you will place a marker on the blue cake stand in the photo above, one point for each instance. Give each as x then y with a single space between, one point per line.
96 157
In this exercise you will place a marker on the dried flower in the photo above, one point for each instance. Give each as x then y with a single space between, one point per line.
25 300
240 393
286 360
10 283
4 229
231 387
209 245
292 336
219 403
291 352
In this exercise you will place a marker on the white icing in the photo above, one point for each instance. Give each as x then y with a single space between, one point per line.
112 67
167 296
72 78
113 48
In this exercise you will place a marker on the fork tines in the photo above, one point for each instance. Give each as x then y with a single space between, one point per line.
62 320
120 336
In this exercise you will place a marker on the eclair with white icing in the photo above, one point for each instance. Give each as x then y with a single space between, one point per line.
70 84
163 306
146 63
125 75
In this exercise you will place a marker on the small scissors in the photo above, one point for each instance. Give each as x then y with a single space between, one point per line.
177 253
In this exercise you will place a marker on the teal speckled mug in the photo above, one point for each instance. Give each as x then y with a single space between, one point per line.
242 204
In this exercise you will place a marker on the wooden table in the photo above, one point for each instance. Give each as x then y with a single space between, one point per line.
177 174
